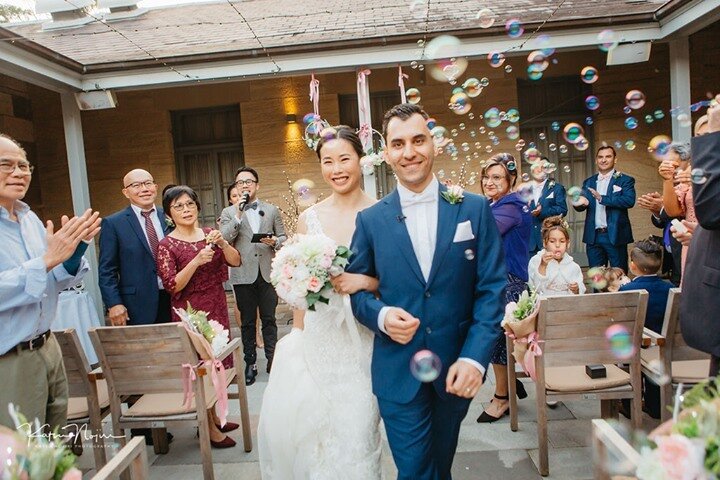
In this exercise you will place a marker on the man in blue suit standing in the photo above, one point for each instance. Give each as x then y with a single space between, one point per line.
439 259
548 200
130 287
607 197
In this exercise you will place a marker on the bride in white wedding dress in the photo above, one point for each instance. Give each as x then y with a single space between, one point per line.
319 419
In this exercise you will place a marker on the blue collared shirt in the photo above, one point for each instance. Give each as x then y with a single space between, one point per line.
28 292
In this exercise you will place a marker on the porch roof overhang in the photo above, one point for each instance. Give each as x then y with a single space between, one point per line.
29 61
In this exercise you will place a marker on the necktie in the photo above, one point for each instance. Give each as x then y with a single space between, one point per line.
253 206
424 197
151 233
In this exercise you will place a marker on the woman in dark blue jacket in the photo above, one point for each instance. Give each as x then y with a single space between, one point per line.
514 221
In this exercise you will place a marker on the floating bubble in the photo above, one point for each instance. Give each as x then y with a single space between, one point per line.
532 155
525 177
552 147
310 117
542 136
659 146
649 119
607 40
592 102
471 116
543 41
421 67
513 116
620 341
533 73
472 87
566 169
486 18
425 366
514 28
511 166
473 133
441 173
630 145
495 140
563 149
521 143
508 68
496 59
445 51
484 82
555 126
684 120
465 147
414 64
582 144
596 278
413 96
573 131
525 209
697 176
631 123
488 148
462 126
549 168
469 254
460 103
492 117
589 74
481 129
635 99
575 193
589 121
477 146
658 114
513 132
618 144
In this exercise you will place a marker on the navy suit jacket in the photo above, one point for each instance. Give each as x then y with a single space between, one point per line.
126 271
658 290
616 202
460 306
556 205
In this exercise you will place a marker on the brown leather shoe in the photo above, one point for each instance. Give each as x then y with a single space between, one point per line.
226 442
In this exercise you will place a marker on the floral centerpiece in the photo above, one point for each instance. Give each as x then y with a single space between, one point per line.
520 323
302 269
687 448
28 453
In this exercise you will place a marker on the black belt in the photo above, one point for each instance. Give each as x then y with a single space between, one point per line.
601 230
33 343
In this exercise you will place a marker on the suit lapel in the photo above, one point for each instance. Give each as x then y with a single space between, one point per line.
161 216
265 226
398 231
135 225
447 219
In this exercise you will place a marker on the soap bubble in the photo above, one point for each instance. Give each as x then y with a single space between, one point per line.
618 144
486 18
649 119
659 146
492 117
549 168
659 114
472 87
592 102
607 40
620 341
512 115
596 277
496 59
563 149
514 28
525 177
566 169
465 147
575 193
508 68
582 144
431 123
532 155
413 96
460 103
469 254
310 118
589 74
425 366
552 147
630 145
447 64
303 189
441 174
684 120
697 176
573 131
635 99
511 166
627 110
555 126
589 120
414 64
542 136
513 132
462 126
631 123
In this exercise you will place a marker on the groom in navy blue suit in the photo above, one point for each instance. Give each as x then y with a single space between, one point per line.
607 197
441 267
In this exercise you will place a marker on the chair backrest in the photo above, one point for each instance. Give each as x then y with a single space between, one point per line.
76 363
132 457
574 327
674 342
143 359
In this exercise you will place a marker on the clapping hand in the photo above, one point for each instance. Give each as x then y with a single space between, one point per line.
400 325
595 194
683 176
651 201
62 244
667 169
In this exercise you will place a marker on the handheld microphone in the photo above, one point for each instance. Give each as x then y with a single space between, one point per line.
243 201
401 218
261 213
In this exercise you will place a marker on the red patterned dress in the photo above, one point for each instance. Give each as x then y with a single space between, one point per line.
205 289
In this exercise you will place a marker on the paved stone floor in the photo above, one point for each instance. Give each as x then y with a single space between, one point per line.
484 452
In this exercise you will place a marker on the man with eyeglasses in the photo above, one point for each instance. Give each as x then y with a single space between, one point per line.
36 263
130 287
251 280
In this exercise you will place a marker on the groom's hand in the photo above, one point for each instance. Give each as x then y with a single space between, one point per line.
463 380
400 325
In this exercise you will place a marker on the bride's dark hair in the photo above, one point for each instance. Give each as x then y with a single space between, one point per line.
342 132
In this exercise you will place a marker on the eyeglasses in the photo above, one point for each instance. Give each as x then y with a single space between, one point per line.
247 182
179 207
9 167
494 179
139 185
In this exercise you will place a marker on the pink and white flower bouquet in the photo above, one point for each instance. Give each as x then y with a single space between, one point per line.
212 331
302 269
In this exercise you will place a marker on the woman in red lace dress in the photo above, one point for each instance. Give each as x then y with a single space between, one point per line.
192 263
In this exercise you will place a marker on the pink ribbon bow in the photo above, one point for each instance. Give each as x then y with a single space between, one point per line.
315 94
401 83
218 379
362 87
533 343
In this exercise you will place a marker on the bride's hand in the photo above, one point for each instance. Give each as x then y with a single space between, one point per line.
349 283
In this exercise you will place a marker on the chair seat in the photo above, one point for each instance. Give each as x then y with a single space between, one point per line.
166 404
574 379
683 371
78 406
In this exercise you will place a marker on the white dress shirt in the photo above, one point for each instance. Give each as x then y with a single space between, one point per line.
537 189
158 229
253 218
421 217
603 182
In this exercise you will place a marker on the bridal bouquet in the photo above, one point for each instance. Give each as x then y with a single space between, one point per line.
520 323
214 333
27 453
302 269
688 448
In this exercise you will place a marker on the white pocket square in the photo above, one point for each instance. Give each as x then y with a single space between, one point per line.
616 188
552 195
463 232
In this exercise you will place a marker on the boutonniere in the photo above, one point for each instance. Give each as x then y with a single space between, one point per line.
453 195
551 184
168 222
616 175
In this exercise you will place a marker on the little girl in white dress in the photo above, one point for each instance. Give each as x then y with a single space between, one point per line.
552 270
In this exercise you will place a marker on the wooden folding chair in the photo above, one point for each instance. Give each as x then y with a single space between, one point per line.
148 361
573 332
671 357
131 459
612 454
89 402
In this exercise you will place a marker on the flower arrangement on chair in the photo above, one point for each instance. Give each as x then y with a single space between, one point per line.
520 324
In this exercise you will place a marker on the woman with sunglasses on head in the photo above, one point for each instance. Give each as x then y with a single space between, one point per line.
192 263
514 221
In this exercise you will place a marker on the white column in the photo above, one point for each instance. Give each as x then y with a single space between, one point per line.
680 85
363 94
79 187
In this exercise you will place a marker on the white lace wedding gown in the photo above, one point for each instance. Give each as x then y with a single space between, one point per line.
319 419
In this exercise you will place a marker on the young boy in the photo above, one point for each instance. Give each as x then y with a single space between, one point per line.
645 263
